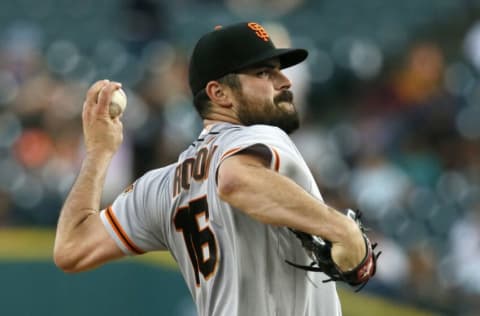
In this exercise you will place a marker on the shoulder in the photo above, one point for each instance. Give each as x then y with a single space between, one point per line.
159 172
157 176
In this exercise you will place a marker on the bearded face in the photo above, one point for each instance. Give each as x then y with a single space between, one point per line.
280 112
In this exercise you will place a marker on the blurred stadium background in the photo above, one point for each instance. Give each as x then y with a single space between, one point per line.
390 101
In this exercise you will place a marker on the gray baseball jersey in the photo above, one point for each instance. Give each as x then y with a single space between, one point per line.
232 264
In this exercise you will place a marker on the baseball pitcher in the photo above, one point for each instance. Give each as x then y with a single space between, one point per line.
239 211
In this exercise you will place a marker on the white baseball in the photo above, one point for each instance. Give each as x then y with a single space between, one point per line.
118 103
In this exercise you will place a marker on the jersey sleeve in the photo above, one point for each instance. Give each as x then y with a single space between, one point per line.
269 142
134 220
265 141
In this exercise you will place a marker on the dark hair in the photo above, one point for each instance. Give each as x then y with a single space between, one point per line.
201 100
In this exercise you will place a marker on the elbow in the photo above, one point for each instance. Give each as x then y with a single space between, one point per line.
63 263
65 260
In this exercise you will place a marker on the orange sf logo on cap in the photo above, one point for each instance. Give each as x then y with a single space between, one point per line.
259 30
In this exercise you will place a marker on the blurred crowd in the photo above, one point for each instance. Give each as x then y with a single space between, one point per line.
397 136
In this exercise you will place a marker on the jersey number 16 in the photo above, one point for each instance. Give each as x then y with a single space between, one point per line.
192 222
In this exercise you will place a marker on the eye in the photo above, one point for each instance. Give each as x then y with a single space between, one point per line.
264 73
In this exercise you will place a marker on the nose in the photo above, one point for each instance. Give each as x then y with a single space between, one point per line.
282 82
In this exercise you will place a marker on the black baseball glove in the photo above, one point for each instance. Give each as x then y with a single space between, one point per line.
319 251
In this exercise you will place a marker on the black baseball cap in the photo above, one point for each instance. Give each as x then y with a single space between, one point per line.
232 48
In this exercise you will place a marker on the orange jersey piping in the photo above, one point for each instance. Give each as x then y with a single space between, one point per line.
115 224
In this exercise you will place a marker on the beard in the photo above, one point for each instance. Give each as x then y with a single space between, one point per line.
280 113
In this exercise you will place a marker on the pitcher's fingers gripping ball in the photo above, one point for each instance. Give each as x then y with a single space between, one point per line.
101 132
118 103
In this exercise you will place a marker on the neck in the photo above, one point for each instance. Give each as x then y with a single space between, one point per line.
219 118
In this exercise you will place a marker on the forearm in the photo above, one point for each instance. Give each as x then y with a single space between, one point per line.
82 241
84 198
273 199
277 200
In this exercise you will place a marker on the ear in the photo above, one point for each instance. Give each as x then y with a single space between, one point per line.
219 94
